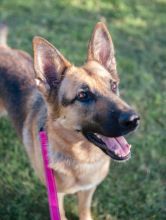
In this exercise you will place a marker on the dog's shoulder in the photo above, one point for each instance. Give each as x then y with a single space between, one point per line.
36 117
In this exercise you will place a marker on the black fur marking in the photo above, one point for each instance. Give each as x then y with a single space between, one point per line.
13 91
66 102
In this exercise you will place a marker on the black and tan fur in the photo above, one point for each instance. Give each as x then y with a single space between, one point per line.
49 99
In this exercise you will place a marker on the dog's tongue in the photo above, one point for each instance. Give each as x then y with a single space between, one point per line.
118 145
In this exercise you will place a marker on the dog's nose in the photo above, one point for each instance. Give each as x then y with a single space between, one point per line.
129 120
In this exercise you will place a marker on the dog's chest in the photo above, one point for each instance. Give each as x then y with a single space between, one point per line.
78 177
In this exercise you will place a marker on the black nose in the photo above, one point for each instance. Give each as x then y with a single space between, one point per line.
129 120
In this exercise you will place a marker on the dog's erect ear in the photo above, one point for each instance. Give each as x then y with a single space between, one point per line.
49 64
101 47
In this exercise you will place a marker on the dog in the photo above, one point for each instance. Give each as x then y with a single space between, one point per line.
79 108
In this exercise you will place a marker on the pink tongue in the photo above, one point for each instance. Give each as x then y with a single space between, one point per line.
118 145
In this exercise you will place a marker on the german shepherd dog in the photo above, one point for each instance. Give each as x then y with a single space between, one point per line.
79 107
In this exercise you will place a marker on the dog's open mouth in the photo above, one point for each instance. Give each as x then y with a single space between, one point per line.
116 147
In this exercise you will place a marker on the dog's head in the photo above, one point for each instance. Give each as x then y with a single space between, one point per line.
86 98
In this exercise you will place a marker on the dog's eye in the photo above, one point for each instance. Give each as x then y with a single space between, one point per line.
85 96
114 87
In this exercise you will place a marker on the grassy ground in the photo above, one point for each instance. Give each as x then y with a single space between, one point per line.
133 190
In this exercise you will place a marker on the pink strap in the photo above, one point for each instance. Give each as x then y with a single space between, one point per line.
50 179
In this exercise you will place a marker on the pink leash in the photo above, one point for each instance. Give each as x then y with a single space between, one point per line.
50 179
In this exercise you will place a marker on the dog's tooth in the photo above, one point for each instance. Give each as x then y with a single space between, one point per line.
116 152
97 135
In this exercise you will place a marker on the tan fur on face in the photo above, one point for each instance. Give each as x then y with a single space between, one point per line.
92 74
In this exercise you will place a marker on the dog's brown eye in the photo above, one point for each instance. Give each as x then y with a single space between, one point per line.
114 87
82 95
85 96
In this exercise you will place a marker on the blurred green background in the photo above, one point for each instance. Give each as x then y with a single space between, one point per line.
133 190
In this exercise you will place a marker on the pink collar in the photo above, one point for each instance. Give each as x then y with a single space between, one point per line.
50 178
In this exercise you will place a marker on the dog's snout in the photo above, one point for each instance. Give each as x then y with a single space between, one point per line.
129 120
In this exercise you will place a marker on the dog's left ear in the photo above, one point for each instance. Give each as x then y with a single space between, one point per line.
101 47
49 65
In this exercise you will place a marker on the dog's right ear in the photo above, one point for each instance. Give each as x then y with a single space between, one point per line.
49 65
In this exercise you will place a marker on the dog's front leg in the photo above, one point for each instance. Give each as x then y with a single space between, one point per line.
61 206
84 203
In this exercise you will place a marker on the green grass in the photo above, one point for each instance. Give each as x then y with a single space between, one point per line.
133 190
